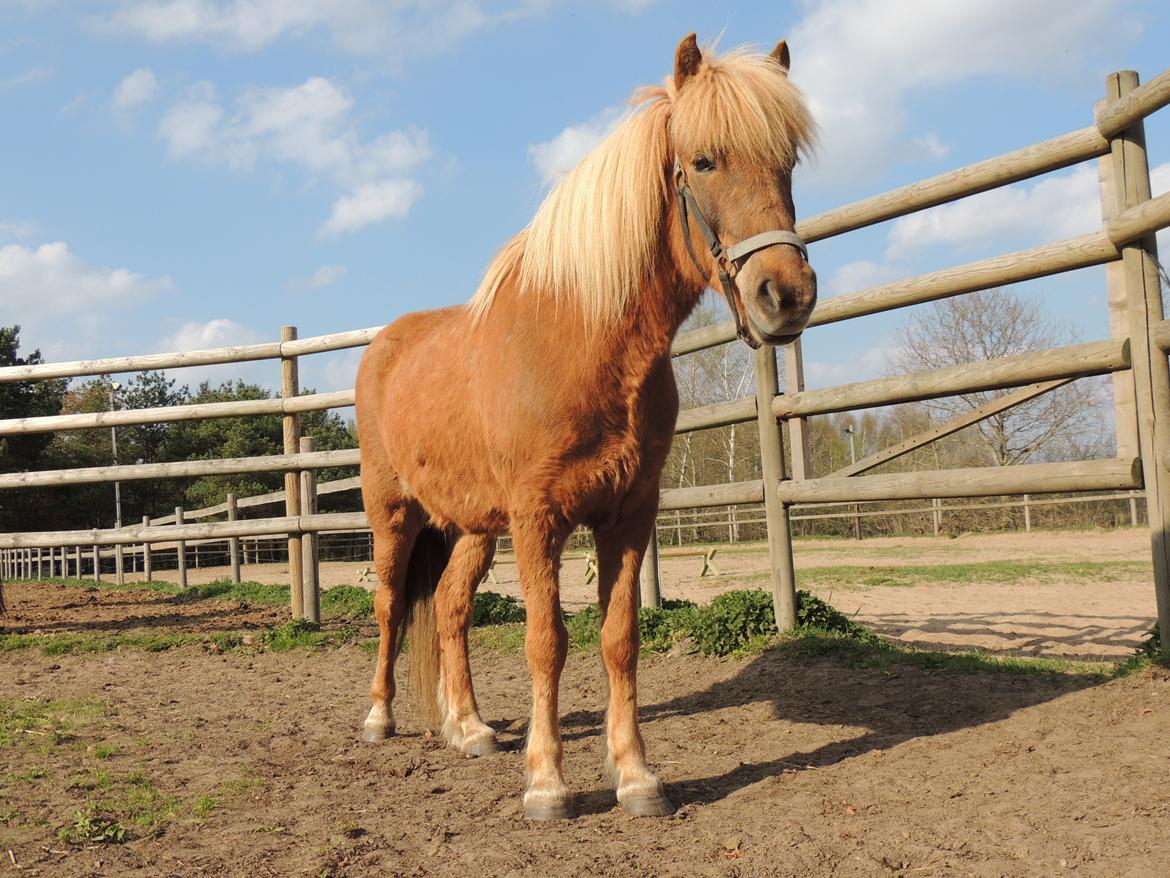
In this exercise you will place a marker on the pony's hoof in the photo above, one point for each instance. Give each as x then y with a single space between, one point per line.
480 745
647 805
372 734
548 807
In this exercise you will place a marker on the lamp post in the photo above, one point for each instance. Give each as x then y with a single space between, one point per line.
118 560
852 460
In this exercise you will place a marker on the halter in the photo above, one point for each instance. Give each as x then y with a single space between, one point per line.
728 260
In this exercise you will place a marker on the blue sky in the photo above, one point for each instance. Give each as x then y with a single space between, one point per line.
192 173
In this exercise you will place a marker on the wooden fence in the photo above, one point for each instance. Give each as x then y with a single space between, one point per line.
1135 355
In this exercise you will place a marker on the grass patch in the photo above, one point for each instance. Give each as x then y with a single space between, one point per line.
38 721
91 826
76 642
347 602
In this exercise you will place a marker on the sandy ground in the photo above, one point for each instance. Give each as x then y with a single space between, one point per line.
1076 618
780 765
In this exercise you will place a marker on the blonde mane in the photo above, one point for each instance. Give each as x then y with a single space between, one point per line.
592 242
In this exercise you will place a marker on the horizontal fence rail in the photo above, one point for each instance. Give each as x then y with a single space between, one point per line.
181 469
335 341
310 402
1028 478
1073 361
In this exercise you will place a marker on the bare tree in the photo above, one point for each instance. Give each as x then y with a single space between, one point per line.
997 323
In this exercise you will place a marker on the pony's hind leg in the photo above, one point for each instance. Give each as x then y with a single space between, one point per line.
395 527
546 642
463 728
619 557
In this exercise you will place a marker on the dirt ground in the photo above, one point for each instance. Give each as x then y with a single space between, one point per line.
780 764
1073 618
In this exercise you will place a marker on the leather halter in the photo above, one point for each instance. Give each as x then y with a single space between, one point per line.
728 260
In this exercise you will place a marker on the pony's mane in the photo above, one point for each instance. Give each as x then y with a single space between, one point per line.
592 241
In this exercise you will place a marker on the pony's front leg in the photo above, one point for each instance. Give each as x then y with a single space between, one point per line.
619 557
546 643
463 728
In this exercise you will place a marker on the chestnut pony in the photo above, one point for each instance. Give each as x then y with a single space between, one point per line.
548 401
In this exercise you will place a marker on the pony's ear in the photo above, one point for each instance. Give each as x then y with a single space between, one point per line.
687 59
782 56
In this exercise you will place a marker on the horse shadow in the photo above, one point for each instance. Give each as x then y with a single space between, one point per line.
859 710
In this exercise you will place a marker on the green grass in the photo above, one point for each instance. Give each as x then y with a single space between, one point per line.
39 722
78 642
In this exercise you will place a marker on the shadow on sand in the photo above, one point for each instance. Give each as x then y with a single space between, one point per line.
858 710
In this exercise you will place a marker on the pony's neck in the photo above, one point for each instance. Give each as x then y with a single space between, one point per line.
672 290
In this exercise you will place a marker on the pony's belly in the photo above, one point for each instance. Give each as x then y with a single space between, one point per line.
456 495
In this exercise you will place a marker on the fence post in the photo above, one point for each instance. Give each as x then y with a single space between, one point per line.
290 387
97 565
1151 374
797 427
311 565
233 542
40 565
1133 508
181 550
1027 514
650 576
147 573
936 515
776 513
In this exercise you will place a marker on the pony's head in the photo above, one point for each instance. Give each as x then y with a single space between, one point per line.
737 127
725 130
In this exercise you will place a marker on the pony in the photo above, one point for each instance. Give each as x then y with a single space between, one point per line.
548 401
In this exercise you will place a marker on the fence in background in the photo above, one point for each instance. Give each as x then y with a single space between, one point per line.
1135 355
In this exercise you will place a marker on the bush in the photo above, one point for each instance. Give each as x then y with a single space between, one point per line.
490 608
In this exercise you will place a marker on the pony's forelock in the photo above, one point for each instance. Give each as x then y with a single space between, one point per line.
591 243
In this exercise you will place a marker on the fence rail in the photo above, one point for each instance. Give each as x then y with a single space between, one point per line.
1136 351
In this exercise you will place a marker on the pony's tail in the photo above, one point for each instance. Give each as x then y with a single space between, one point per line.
428 559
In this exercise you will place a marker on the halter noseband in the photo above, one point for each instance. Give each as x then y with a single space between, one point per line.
728 260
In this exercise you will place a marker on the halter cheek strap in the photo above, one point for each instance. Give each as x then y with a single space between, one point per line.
728 260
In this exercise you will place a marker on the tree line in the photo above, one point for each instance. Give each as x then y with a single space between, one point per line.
86 506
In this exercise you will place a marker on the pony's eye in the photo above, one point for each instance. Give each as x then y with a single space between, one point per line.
702 164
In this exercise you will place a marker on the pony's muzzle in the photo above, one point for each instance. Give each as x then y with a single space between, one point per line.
780 303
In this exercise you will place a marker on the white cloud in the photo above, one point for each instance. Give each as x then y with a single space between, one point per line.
370 203
64 303
18 230
1050 209
138 88
29 76
216 333
50 279
929 147
870 362
364 27
859 61
325 276
309 126
555 158
859 275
